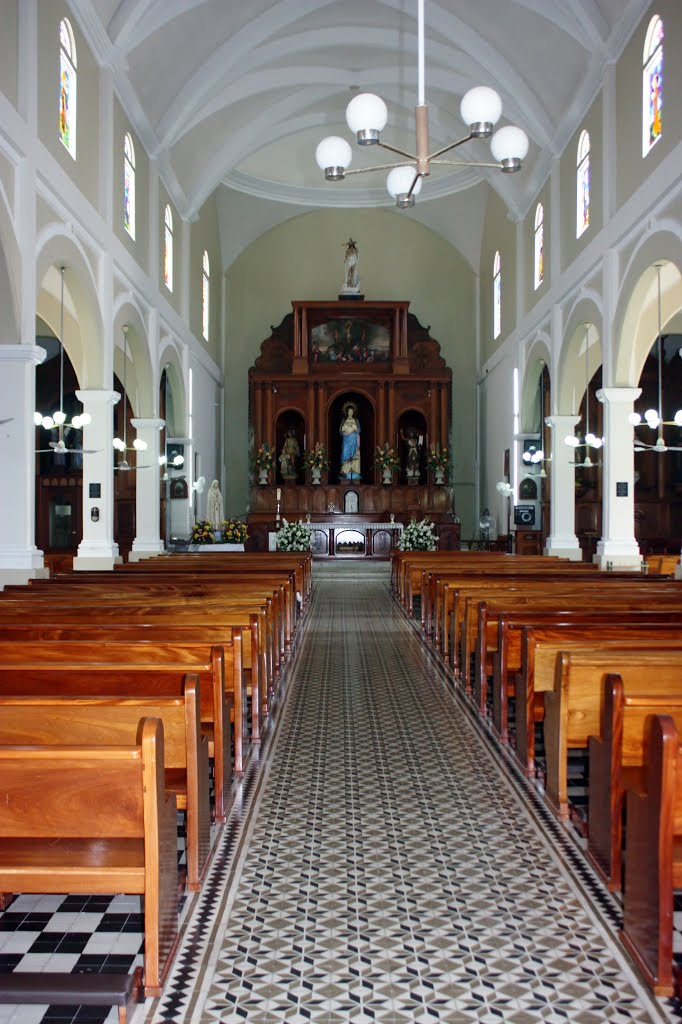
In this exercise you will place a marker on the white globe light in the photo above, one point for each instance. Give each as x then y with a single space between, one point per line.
366 112
399 181
635 419
178 460
509 143
76 422
333 152
480 105
140 445
678 418
38 419
537 456
85 418
652 418
571 441
118 444
59 417
590 439
48 422
598 442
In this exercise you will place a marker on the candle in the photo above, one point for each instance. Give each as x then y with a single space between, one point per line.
279 493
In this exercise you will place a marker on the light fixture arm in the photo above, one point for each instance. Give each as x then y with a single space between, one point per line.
660 359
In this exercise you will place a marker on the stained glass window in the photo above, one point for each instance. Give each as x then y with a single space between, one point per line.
168 249
129 185
582 204
497 295
539 245
652 85
205 295
67 87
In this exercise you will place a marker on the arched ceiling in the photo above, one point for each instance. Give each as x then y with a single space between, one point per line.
239 93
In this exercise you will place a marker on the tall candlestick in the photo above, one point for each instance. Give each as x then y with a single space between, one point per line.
279 493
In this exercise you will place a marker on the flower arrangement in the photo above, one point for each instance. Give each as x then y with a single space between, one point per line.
386 457
202 532
264 457
294 537
316 458
418 536
438 458
233 531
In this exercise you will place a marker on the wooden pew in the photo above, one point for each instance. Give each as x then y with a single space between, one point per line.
539 685
159 620
654 865
132 668
95 819
617 762
46 719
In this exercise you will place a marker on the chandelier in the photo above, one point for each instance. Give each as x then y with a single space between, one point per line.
366 116
591 440
58 419
653 418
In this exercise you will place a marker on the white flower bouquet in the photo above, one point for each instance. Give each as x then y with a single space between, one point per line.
294 537
418 536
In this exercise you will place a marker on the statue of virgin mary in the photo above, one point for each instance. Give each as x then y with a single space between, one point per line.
350 444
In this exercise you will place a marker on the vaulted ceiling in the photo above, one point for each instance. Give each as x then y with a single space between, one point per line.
239 92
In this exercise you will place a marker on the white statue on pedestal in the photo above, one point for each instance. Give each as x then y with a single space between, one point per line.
214 505
351 283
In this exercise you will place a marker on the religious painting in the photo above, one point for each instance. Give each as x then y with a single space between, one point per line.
350 340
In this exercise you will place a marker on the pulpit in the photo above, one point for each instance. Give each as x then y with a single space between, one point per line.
348 376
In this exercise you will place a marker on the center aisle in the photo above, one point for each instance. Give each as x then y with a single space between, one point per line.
389 869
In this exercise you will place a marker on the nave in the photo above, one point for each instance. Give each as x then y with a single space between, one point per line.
385 866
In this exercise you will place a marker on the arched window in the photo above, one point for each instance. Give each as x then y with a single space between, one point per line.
539 246
205 295
129 185
582 202
168 249
497 295
652 85
67 87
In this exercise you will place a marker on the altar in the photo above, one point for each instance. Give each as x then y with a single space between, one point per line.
338 388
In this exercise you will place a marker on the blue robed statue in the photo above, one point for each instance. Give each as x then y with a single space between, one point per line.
350 444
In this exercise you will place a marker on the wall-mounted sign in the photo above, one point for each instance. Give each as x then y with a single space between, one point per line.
621 488
94 490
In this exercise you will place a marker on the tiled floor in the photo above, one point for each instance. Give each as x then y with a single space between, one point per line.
382 864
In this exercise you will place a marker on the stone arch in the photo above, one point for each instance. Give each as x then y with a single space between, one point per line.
572 360
10 275
140 383
638 314
538 357
83 325
171 361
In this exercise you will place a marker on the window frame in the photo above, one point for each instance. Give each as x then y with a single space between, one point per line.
68 113
129 180
168 247
582 222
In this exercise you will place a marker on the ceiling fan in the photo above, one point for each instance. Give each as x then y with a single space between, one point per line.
121 444
653 418
591 440
58 420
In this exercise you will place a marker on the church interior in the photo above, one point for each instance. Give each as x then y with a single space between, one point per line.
380 275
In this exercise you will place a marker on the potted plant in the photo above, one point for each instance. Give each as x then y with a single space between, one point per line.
418 536
317 461
263 461
294 536
438 461
233 531
387 459
202 532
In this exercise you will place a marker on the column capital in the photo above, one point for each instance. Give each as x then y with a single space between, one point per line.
103 397
147 424
18 353
618 396
562 421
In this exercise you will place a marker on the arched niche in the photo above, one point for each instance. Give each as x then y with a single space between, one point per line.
409 422
366 419
290 422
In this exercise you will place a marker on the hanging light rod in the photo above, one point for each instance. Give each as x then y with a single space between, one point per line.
367 114
653 418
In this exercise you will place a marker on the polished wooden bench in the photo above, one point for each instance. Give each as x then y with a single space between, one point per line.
617 761
95 819
48 719
653 838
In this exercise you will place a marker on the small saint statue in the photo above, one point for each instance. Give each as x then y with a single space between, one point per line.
288 457
214 505
351 281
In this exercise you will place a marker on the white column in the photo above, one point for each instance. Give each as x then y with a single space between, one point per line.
562 541
20 559
147 491
98 550
618 544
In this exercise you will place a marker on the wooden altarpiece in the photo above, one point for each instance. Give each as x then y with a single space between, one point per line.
377 356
